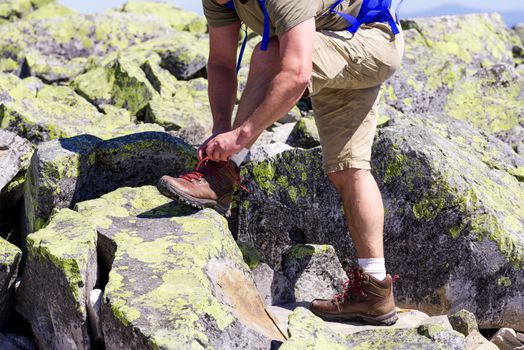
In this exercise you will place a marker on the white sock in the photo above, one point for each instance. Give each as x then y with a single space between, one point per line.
239 157
374 267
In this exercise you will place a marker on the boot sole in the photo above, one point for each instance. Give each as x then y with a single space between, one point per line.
169 191
388 319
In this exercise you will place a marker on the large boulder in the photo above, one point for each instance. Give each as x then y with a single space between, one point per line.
462 65
177 277
307 331
15 154
68 42
68 171
172 277
60 271
445 184
41 112
178 19
13 10
9 261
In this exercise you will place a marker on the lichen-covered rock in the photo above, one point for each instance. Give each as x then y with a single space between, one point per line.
53 112
259 153
16 342
178 19
15 154
65 172
519 30
60 271
9 259
445 336
314 271
307 331
290 185
444 184
460 64
13 10
188 106
304 134
464 322
457 190
66 39
51 10
177 277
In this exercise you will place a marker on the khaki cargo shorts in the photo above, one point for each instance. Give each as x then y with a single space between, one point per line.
348 72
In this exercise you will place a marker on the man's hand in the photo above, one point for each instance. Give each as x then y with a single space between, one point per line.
222 146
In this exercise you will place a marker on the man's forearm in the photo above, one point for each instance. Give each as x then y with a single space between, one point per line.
282 95
222 96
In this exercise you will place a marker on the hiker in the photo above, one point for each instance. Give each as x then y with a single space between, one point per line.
338 53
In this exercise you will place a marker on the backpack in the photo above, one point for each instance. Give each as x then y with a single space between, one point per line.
370 11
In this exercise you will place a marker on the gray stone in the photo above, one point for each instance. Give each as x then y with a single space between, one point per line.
68 171
304 134
16 342
446 338
259 153
94 306
9 260
464 322
177 276
60 271
476 341
506 339
314 272
440 321
15 154
273 286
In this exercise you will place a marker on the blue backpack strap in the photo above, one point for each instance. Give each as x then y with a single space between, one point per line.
230 5
265 36
242 49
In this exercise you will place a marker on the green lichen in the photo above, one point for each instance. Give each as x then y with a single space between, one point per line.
504 281
303 251
394 167
252 257
264 174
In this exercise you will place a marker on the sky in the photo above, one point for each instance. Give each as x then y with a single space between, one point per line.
408 6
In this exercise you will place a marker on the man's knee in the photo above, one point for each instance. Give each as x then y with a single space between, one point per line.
266 61
340 179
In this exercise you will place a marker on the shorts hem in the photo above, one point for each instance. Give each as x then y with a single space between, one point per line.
345 165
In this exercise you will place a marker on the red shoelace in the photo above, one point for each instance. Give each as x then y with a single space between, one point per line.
207 167
353 286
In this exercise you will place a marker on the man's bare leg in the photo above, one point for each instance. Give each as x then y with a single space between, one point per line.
363 209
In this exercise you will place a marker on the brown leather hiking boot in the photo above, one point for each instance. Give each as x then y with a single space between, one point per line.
210 185
363 299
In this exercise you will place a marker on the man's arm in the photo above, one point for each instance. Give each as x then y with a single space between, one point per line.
222 80
286 88
223 43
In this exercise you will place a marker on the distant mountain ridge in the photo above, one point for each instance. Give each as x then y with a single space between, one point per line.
510 17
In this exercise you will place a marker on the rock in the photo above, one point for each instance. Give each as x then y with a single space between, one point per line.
443 335
506 339
310 332
464 322
290 185
476 341
194 134
65 39
314 272
304 134
9 259
519 30
178 19
462 65
281 133
188 107
94 306
251 256
515 138
13 10
68 171
51 10
273 286
15 342
292 116
176 278
520 336
259 153
440 322
461 216
60 271
15 154
57 112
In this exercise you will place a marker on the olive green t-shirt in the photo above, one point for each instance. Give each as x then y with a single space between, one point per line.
283 14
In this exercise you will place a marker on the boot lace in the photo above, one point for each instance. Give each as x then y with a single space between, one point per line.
352 287
209 168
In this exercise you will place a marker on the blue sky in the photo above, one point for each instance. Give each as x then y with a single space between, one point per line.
408 6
